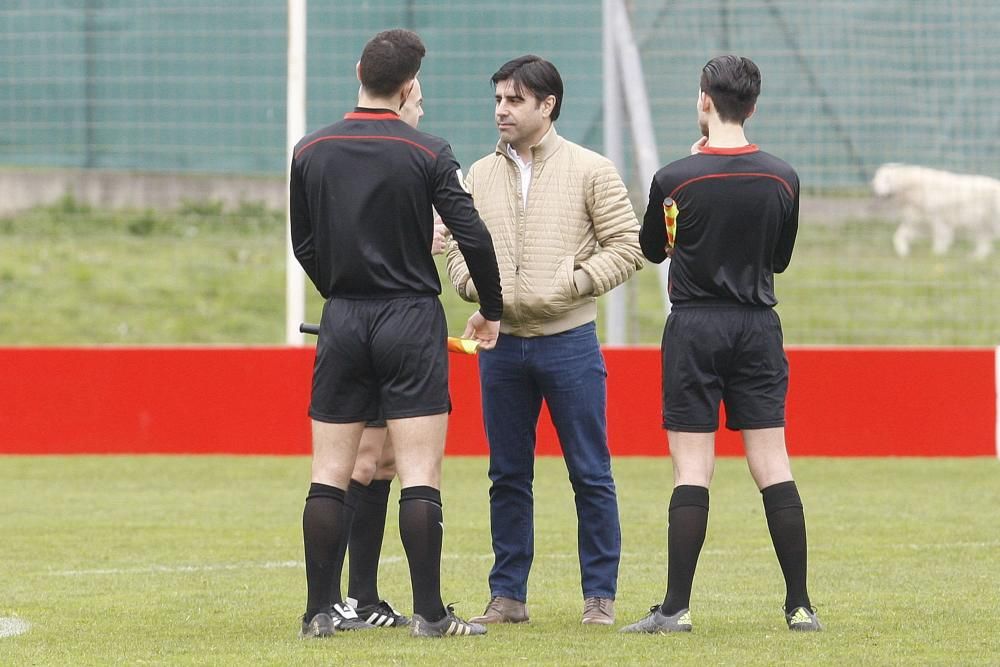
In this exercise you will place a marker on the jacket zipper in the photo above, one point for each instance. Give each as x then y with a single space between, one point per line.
518 227
519 230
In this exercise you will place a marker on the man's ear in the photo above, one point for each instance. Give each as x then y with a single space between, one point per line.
405 90
548 104
705 102
752 112
357 70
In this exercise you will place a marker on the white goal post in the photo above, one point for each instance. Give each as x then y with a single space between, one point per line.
295 278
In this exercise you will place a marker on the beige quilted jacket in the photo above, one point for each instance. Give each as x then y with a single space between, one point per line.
577 239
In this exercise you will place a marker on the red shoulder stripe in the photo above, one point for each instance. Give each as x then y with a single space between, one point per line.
377 137
791 192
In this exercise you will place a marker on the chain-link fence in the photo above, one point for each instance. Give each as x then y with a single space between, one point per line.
183 87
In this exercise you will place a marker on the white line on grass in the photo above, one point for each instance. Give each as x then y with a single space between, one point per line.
390 560
12 627
934 546
171 569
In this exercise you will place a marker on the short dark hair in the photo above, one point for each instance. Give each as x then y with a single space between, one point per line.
390 59
733 83
537 75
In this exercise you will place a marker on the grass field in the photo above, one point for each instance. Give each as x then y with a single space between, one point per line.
71 275
198 561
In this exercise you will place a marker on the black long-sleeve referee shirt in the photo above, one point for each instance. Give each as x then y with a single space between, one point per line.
361 222
736 225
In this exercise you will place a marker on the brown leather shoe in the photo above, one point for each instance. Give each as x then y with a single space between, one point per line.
503 610
598 611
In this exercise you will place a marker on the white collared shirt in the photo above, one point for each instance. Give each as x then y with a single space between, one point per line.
525 173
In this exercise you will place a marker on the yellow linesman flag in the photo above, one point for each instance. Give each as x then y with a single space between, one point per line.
670 220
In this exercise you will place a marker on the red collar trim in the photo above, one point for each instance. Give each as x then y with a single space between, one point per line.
371 115
739 150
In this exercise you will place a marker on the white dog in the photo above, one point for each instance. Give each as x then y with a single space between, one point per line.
938 204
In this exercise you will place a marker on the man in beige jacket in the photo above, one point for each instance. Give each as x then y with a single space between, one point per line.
564 232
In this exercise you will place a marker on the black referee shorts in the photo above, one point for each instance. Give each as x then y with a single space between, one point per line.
380 359
729 353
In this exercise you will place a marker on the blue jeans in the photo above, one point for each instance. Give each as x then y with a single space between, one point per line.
567 370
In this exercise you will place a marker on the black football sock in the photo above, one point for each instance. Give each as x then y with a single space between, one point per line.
322 527
350 503
366 540
421 529
687 524
787 525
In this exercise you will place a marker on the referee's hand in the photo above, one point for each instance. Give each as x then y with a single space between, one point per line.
483 331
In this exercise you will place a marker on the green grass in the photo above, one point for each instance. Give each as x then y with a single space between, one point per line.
72 275
846 286
197 561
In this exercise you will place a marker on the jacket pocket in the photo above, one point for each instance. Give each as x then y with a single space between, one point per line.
560 294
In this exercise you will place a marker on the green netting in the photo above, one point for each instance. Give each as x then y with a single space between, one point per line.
192 86
846 85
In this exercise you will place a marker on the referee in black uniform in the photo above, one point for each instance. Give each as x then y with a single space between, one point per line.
361 223
736 211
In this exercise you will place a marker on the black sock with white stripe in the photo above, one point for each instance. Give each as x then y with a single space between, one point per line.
421 529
